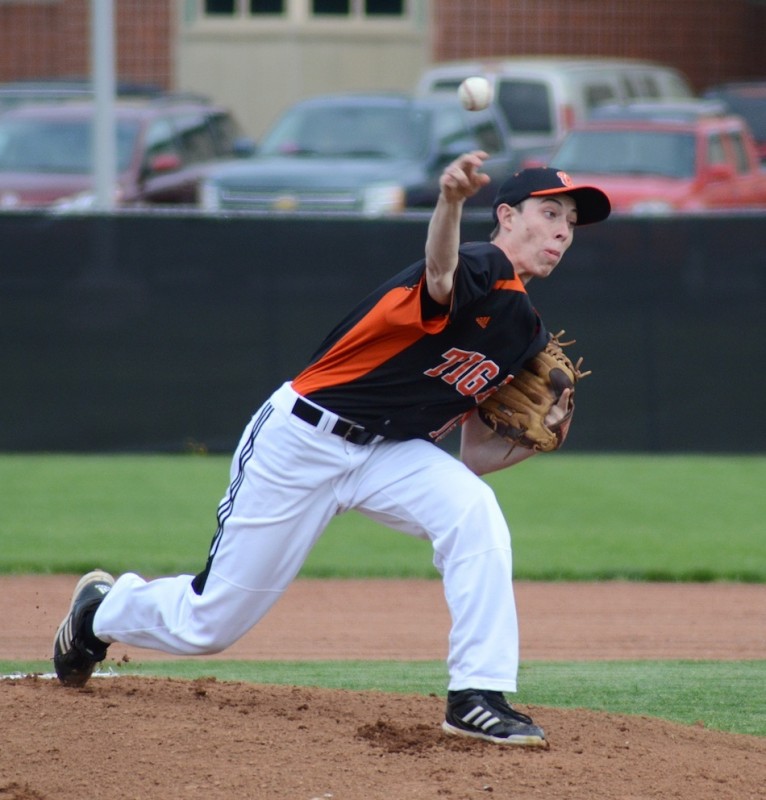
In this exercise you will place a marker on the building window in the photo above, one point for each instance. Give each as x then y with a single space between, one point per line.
231 7
317 8
322 7
382 8
267 6
370 8
214 7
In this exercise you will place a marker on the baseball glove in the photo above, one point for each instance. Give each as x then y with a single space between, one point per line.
517 410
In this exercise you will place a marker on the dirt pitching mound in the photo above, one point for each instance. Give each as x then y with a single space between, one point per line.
144 737
125 737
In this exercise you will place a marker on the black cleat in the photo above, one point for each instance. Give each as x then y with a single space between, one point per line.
76 650
485 714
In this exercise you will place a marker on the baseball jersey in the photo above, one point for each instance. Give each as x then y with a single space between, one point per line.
404 367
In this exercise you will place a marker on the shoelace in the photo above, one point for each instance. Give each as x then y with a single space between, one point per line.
499 701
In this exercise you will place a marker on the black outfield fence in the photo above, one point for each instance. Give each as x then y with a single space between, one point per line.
165 331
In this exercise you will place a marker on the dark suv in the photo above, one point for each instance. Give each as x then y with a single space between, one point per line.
162 148
373 153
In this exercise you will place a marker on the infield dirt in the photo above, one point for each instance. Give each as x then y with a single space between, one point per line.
132 737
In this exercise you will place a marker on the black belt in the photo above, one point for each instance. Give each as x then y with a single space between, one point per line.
355 434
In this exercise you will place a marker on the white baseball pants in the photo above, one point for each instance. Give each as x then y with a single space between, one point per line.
288 479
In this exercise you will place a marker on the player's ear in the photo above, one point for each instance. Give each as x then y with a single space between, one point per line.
504 215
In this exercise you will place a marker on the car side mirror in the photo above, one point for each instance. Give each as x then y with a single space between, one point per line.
165 162
719 172
243 147
449 151
533 162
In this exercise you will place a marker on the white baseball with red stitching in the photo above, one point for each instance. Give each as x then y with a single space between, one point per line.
475 93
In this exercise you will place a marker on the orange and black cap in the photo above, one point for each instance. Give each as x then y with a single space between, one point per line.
592 204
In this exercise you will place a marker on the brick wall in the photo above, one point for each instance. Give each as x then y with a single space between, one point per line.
708 40
44 40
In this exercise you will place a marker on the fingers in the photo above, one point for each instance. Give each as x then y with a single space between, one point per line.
566 399
561 409
563 430
559 419
462 177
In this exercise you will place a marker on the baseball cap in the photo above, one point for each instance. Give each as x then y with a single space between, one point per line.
592 204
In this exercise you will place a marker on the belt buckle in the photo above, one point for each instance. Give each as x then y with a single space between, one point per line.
349 430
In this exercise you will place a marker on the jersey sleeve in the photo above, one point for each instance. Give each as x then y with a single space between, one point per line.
481 267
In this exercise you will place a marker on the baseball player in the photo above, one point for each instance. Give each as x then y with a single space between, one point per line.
358 428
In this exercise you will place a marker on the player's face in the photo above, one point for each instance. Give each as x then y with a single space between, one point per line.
540 233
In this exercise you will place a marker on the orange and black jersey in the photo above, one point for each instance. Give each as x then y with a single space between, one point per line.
405 367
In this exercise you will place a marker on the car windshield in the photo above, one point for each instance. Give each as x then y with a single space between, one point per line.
57 146
751 106
623 152
526 105
358 131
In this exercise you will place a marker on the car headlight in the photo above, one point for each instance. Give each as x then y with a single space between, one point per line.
652 208
382 198
9 200
85 201
209 197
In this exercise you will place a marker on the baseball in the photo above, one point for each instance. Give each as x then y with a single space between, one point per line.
475 93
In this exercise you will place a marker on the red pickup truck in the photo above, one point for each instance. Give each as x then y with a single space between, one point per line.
665 159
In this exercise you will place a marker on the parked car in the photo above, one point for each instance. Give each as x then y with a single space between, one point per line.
162 149
61 90
663 110
542 97
666 159
370 153
748 99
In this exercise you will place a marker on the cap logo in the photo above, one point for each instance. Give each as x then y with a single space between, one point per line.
565 179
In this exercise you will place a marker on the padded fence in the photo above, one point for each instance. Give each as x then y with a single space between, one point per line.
164 332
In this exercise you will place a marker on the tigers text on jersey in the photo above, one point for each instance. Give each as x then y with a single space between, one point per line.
405 367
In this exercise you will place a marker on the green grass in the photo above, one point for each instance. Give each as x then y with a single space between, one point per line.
726 696
575 517
66 513
638 517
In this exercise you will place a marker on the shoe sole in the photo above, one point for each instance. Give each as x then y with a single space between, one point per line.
510 741
96 575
